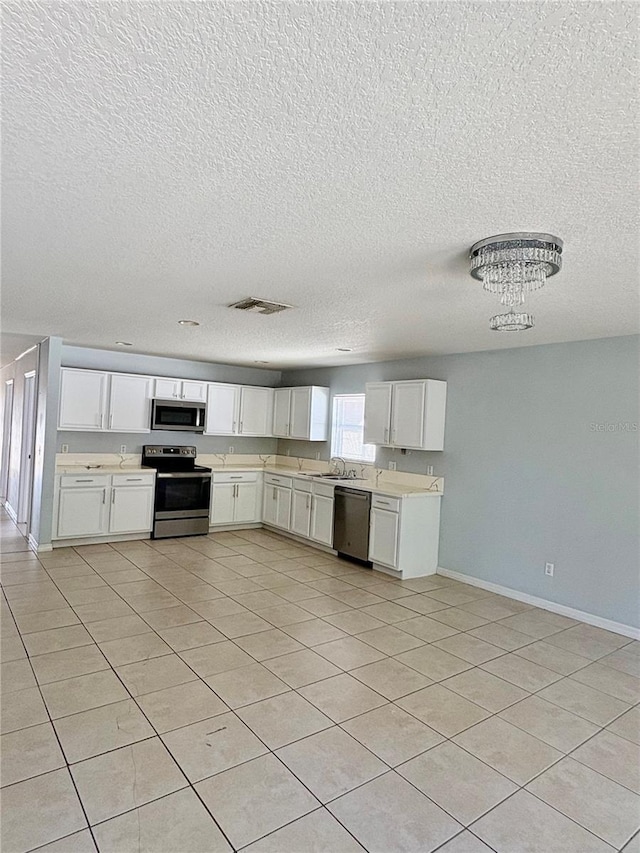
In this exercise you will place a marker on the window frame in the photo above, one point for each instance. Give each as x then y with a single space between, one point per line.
335 407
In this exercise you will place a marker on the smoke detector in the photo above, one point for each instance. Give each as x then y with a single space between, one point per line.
260 306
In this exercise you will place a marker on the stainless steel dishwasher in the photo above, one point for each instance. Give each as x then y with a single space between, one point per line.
352 509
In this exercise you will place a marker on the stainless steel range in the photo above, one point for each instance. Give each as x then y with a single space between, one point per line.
183 491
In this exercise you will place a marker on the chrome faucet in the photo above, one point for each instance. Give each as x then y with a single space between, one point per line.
334 460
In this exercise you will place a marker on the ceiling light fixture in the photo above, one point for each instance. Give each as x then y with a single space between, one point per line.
512 266
188 323
123 344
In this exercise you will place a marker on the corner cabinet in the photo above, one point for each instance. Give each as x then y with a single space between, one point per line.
301 413
408 414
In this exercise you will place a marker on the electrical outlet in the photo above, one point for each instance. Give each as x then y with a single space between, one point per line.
318 456
548 569
392 466
123 448
65 448
232 449
430 470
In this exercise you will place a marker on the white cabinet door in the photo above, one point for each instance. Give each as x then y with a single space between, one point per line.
167 389
283 515
270 505
195 392
222 409
301 513
300 423
383 540
222 503
247 508
256 406
281 407
322 519
407 419
377 413
83 398
82 512
129 403
131 509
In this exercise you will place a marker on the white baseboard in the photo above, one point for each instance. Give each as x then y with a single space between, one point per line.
39 549
11 512
562 609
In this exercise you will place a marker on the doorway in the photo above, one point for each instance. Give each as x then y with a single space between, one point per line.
7 418
27 450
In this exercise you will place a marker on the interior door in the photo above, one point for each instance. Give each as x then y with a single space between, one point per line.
6 437
222 409
27 448
377 412
407 420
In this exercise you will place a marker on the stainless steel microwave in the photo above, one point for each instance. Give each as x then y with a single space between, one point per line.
170 416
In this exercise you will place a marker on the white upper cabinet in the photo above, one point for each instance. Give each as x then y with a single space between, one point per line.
83 399
180 389
256 410
377 412
406 414
129 403
301 413
97 401
281 407
223 409
238 410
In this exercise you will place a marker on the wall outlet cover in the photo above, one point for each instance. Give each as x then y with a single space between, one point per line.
123 448
430 470
65 448
549 569
392 466
318 455
232 449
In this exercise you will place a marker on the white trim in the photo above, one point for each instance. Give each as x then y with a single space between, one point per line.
571 612
76 541
11 512
39 549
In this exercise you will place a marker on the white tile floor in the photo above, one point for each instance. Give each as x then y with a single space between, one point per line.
244 692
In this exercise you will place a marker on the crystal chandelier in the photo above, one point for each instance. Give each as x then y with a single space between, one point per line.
512 266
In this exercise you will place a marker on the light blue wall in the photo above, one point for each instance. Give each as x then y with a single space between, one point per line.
529 479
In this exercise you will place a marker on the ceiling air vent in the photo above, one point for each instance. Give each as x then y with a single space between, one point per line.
260 306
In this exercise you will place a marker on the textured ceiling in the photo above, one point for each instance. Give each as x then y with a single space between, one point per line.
162 159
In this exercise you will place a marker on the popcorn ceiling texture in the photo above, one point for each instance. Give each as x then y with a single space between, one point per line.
162 160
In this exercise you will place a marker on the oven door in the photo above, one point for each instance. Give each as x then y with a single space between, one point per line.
182 495
177 416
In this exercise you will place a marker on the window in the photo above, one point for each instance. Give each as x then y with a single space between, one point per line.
348 429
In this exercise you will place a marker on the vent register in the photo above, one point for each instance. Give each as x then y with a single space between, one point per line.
260 306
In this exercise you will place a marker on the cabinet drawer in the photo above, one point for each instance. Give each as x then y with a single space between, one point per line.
323 489
70 481
274 480
133 479
383 502
302 485
235 477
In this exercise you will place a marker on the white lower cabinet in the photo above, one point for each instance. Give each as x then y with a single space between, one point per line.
404 534
82 512
91 506
322 518
236 498
301 509
276 509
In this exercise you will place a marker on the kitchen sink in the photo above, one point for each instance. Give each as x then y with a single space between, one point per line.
332 476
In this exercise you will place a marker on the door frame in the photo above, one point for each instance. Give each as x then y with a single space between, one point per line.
7 434
27 448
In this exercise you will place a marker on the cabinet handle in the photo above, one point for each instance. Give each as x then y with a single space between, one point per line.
110 420
104 496
235 478
99 419
241 422
233 428
274 493
134 479
308 501
84 481
113 496
386 434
